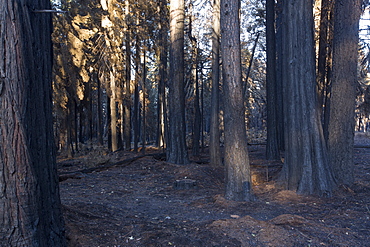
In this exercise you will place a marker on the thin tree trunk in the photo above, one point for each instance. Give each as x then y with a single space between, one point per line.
279 75
325 24
272 147
324 62
113 112
197 117
68 121
75 121
100 114
202 120
144 105
194 81
127 108
214 146
250 64
162 59
136 107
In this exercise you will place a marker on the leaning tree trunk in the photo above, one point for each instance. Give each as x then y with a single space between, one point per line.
176 148
238 178
306 168
29 193
343 89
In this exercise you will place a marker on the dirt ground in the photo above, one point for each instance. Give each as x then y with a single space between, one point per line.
146 201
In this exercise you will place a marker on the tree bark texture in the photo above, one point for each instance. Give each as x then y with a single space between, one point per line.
162 61
343 90
176 150
279 75
238 179
29 193
324 61
306 168
325 28
113 111
272 146
214 146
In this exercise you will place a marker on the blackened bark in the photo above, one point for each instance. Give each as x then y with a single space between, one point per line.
29 192
343 89
176 148
325 27
306 168
324 61
272 147
238 178
279 75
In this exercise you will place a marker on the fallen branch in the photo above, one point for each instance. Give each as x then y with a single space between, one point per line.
79 173
361 146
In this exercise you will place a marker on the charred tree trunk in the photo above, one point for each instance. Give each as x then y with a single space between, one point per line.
29 194
306 168
324 61
176 148
343 90
272 147
279 75
238 177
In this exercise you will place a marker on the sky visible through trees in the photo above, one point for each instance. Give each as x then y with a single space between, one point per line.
104 90
132 74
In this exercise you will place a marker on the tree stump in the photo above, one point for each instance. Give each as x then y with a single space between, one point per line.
185 184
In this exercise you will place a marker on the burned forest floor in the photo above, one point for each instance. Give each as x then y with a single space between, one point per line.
135 199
